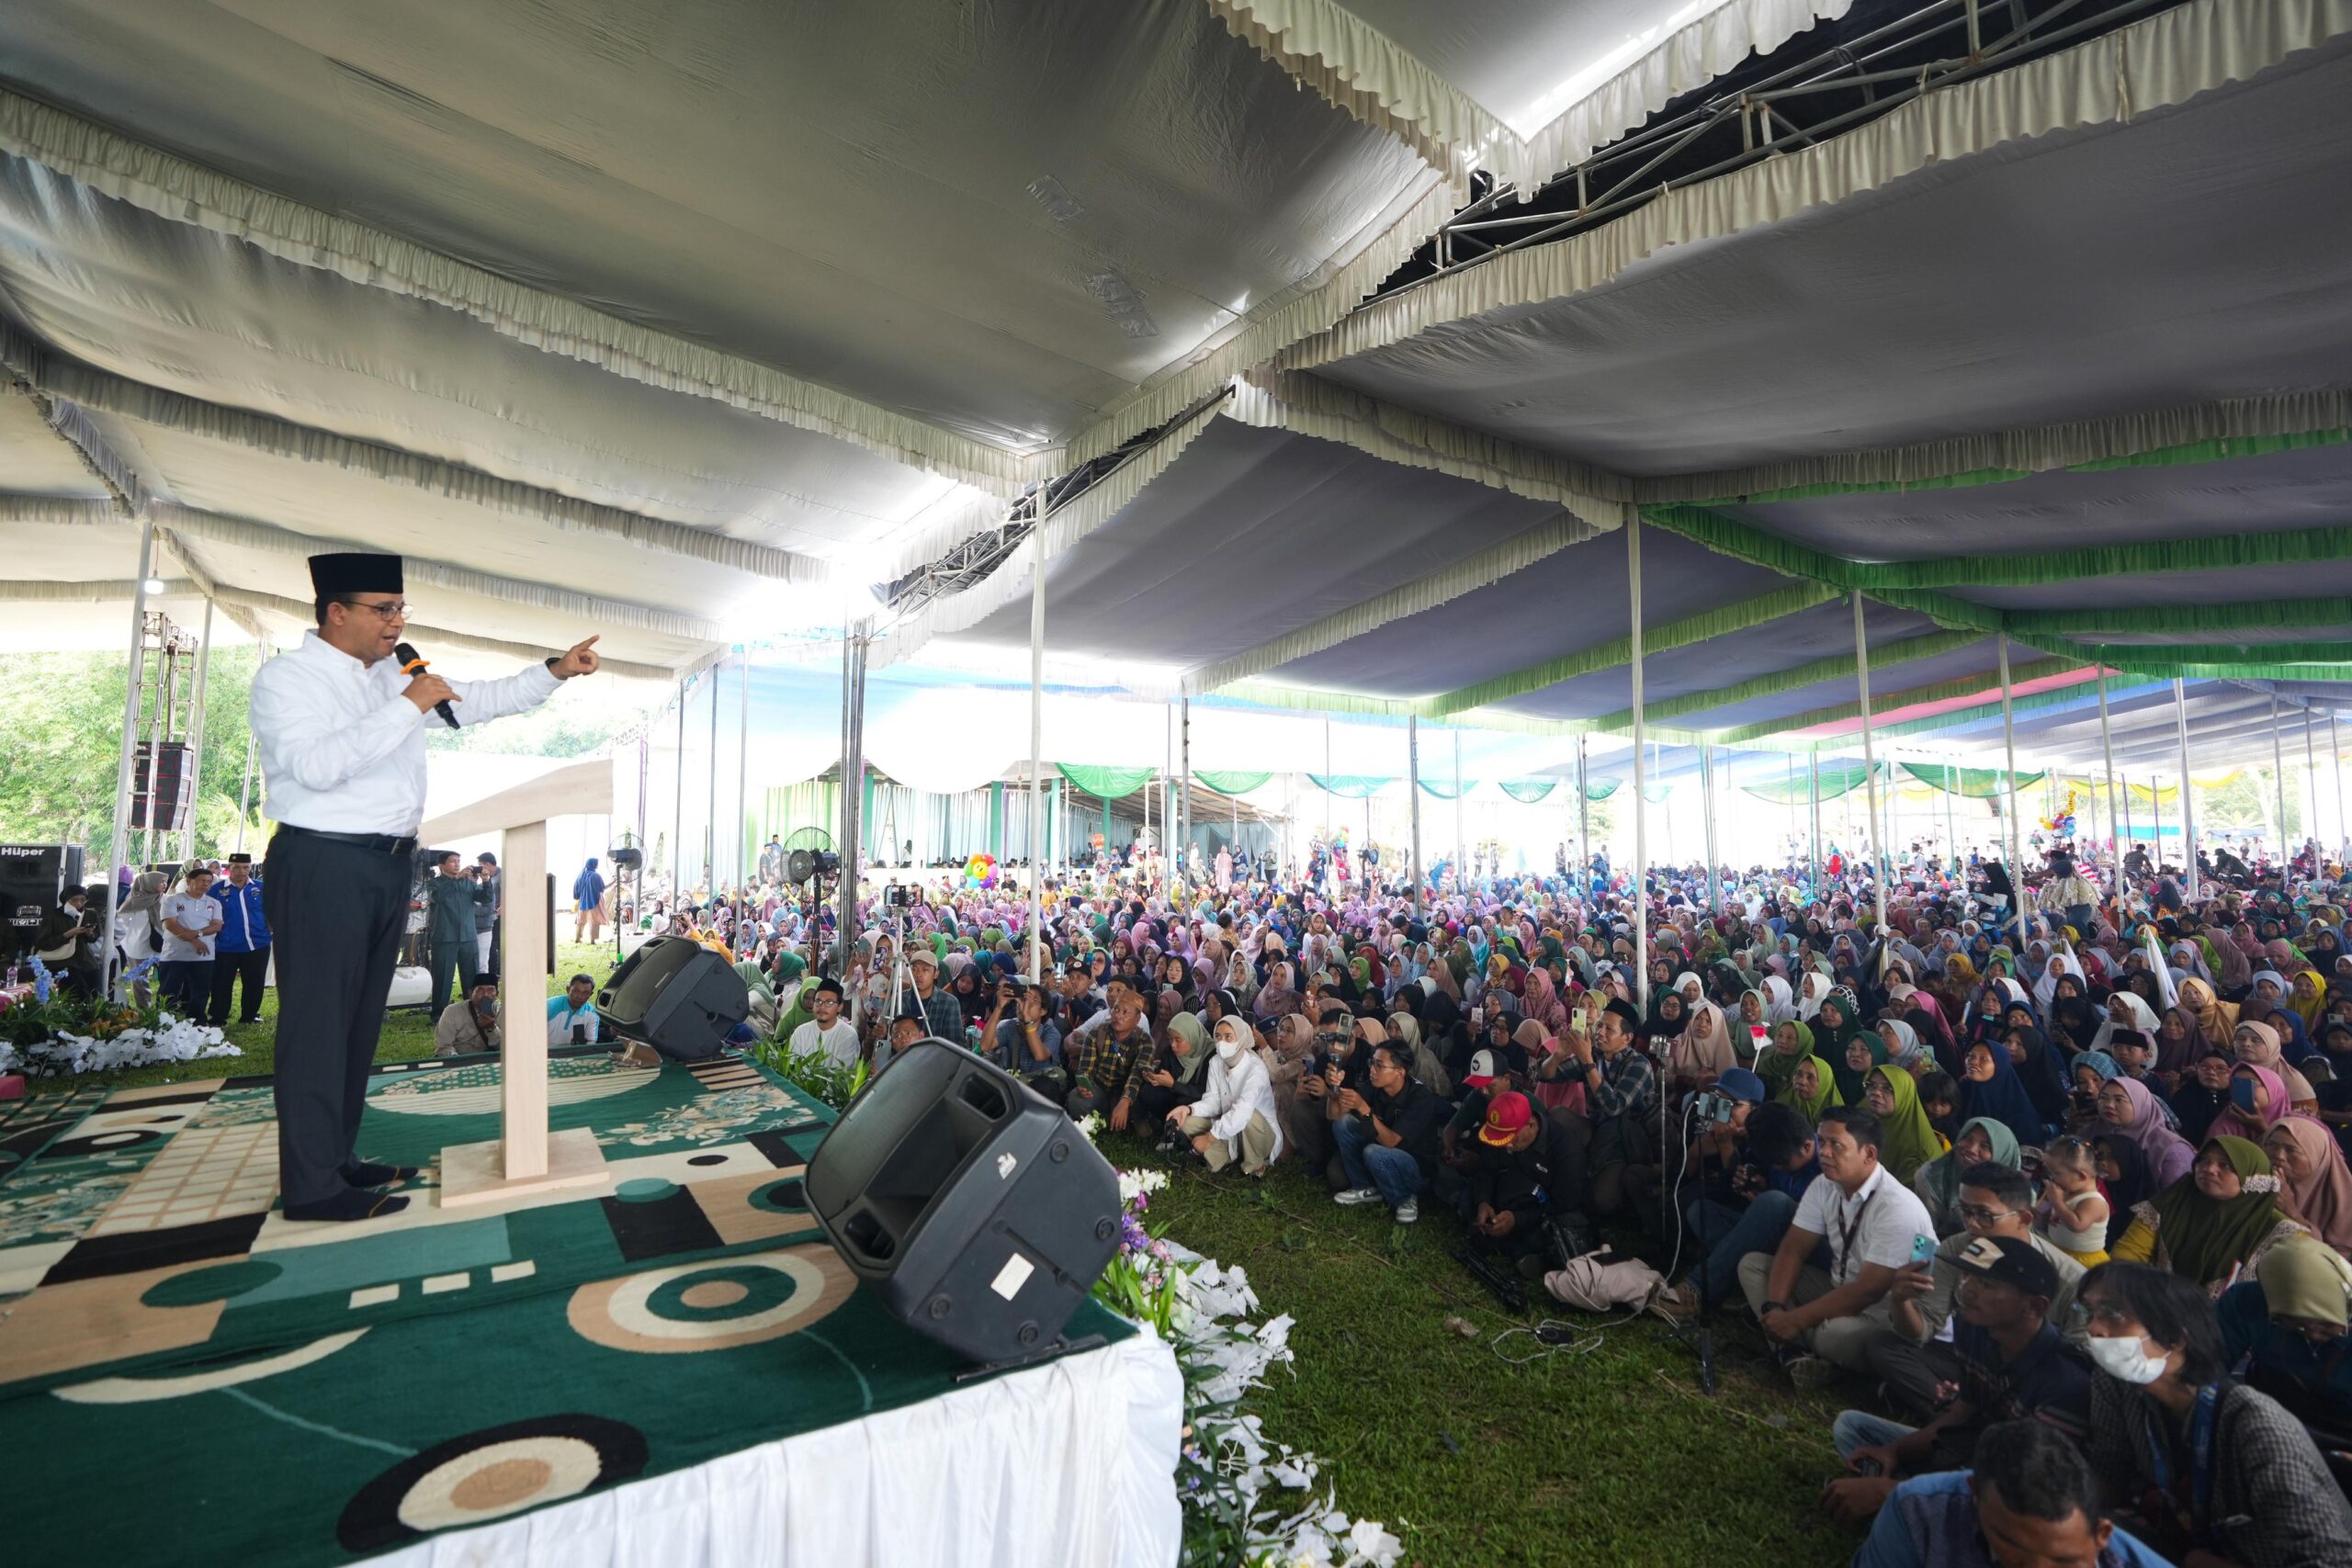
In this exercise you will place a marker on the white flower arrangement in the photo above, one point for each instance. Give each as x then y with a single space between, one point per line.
66 1056
1230 1470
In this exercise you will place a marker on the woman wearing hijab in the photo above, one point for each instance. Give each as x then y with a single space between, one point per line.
1780 1003
2214 1225
2126 1110
1792 1043
2123 1172
1278 997
2257 1045
1540 1002
2315 1183
1938 1183
2216 1020
1991 1088
1702 1052
2036 1064
1906 1140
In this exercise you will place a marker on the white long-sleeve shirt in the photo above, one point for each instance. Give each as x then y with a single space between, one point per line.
342 751
1234 1094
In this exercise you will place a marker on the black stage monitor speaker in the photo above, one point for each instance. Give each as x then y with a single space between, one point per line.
676 995
33 880
165 806
968 1204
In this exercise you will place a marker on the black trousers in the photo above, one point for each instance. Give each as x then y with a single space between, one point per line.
462 957
227 968
336 912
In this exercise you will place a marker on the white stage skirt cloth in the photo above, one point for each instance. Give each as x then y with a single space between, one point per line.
1070 1464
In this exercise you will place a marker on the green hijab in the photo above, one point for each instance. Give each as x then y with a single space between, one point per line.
799 1013
1825 1096
1776 1068
789 967
1943 1172
2202 1239
1907 1139
1196 1035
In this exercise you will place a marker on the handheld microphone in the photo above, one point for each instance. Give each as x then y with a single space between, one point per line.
413 663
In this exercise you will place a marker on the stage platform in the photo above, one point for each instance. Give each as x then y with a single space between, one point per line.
676 1371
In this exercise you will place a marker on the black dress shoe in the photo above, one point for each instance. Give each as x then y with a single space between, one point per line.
349 1204
367 1174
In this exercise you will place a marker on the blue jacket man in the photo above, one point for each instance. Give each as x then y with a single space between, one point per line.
242 949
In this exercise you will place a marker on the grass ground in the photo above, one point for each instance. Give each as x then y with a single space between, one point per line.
1602 1453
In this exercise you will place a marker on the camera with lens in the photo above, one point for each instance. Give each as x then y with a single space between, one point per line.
1715 1108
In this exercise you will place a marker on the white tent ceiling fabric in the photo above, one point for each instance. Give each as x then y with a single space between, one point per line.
2126 75
974 239
1522 88
672 322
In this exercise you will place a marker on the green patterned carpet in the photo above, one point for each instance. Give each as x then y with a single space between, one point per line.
425 1371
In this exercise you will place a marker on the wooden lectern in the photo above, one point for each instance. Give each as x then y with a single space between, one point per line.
526 1159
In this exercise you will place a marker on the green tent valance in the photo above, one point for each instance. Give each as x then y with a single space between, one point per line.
1975 784
1527 792
1349 786
1653 792
1443 789
1111 784
1837 779
1231 783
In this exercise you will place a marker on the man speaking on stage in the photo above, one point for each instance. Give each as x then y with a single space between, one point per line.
340 727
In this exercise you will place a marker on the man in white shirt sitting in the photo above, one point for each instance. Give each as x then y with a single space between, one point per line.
827 1031
339 728
191 919
1874 1225
572 1018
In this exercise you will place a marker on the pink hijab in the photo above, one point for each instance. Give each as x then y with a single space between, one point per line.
2169 1155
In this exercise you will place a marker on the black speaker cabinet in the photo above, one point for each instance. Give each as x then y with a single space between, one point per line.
968 1204
33 880
676 995
166 807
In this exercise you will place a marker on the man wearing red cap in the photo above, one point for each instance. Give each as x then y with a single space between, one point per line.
1530 1170
340 732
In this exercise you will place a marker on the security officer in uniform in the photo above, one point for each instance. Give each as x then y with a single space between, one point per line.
340 731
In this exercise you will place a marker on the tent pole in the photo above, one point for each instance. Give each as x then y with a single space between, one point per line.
1412 799
852 777
2187 803
1583 832
2335 751
678 795
195 738
129 750
2009 749
2310 790
245 783
2277 779
1879 864
644 773
1813 766
1952 830
2107 746
743 780
1461 864
1641 804
710 818
1707 819
1036 743
1184 787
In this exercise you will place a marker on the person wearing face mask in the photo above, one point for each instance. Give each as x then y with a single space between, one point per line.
2215 1472
1235 1117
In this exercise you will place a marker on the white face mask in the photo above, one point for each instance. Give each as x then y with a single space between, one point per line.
1227 1047
2122 1358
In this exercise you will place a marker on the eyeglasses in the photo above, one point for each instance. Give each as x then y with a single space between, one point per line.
395 611
1973 1214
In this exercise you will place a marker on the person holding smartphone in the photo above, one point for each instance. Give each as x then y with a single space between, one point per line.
572 1018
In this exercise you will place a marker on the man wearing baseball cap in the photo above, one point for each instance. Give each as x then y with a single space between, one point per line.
1530 1170
2014 1363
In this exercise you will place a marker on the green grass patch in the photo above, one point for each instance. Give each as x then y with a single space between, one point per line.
1606 1455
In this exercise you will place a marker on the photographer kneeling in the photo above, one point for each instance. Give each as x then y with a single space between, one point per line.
1526 1197
1388 1138
1336 1065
